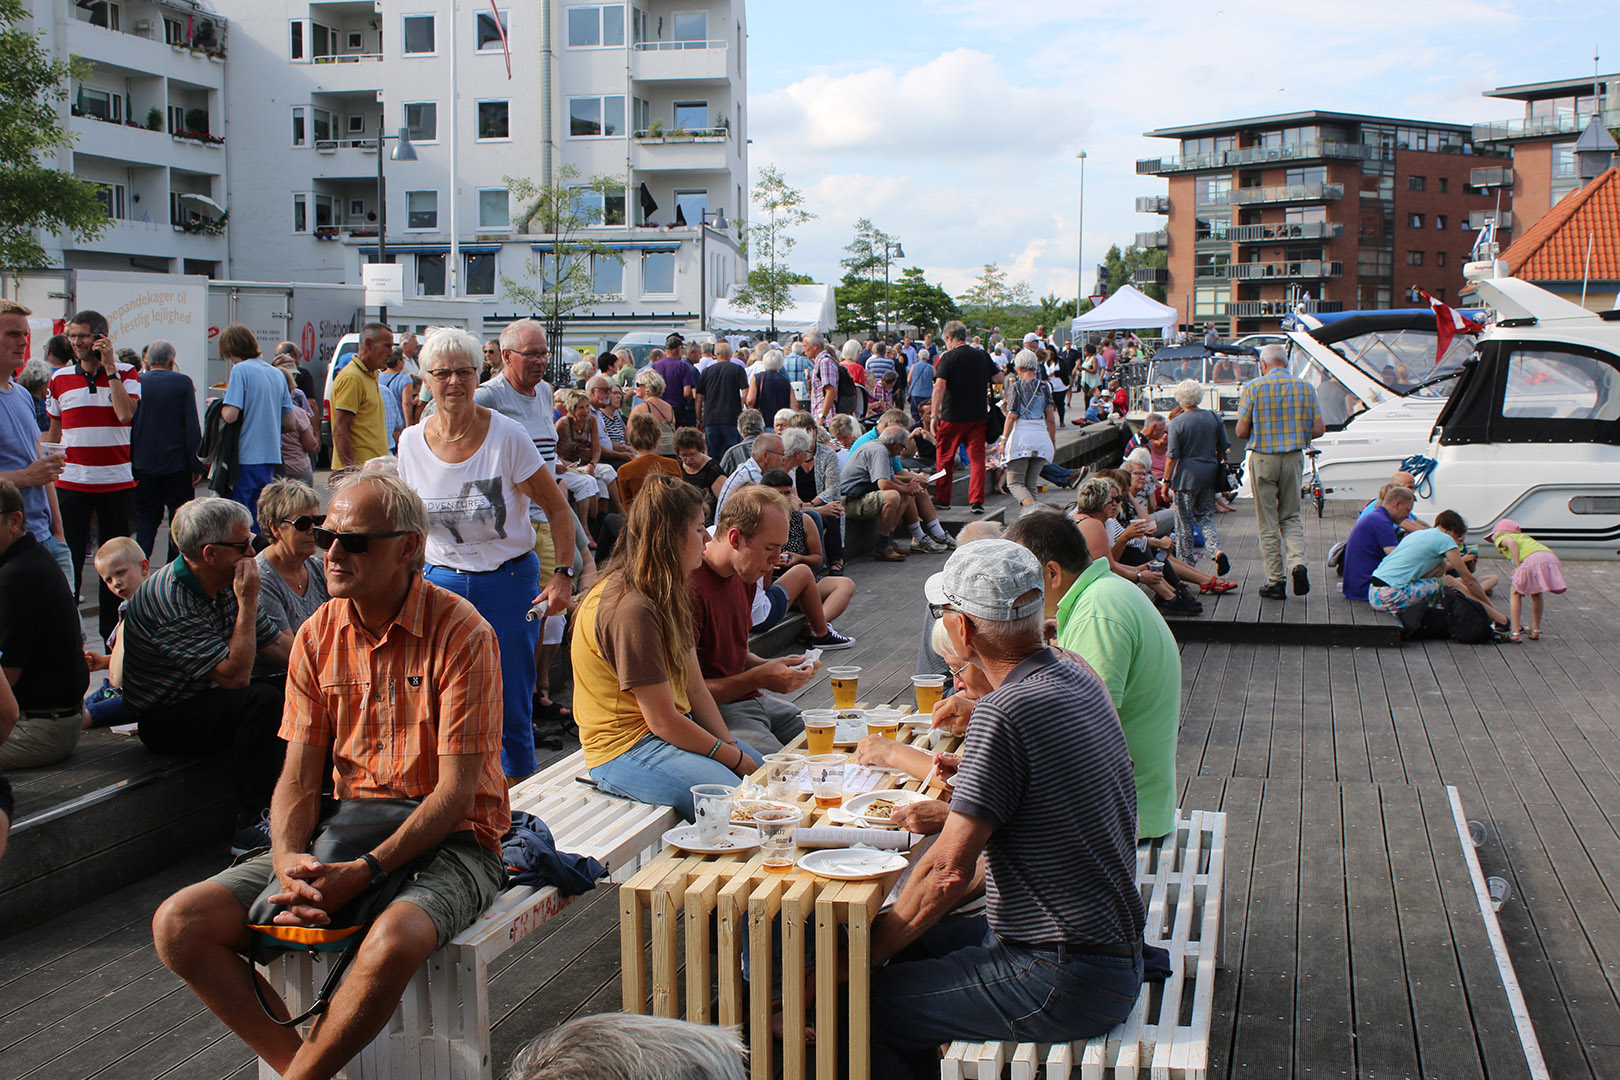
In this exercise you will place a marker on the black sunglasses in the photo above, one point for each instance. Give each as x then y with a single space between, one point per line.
304 522
353 543
239 545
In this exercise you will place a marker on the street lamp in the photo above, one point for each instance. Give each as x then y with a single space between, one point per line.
1080 238
893 250
720 226
403 151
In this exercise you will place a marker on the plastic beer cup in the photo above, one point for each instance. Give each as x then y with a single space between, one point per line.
930 689
845 685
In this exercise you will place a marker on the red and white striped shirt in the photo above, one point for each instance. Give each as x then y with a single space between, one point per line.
97 442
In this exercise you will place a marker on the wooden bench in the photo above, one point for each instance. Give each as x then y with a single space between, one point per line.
440 1031
1167 1034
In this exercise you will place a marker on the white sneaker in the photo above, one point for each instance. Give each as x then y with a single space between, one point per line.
929 545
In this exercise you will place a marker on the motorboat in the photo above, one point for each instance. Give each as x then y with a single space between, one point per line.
1220 369
1532 430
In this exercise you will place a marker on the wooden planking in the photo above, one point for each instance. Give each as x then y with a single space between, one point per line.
1265 1007
1326 1026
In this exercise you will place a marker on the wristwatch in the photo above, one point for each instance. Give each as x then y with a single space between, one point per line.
565 571
377 872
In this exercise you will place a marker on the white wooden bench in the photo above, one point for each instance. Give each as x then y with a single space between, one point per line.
1167 1034
440 1031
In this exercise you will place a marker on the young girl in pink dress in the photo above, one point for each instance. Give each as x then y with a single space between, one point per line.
1536 570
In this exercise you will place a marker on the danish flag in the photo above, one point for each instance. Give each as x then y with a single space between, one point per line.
1449 322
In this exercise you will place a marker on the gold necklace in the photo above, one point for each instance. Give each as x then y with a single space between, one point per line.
446 438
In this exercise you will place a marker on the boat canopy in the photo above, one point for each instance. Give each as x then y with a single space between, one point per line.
1531 391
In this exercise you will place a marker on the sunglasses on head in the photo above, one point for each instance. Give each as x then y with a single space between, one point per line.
304 522
352 542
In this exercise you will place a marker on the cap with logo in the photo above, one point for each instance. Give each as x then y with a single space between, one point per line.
985 580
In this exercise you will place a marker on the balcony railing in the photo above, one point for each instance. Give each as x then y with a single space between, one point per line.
1296 268
1153 204
1151 240
678 46
1491 176
1479 218
1259 309
1301 230
1252 155
344 58
1538 126
1150 275
1315 192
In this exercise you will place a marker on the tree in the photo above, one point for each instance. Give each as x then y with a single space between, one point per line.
33 196
864 265
768 289
992 300
1121 266
565 273
920 304
856 300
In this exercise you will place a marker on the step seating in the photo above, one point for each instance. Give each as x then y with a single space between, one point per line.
440 1031
1167 1034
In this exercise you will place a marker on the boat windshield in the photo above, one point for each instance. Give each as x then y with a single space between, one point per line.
1337 402
1233 369
1403 359
1168 372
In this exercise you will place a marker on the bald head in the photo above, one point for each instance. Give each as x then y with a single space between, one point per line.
1404 479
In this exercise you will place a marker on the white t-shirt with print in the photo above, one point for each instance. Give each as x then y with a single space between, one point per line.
477 517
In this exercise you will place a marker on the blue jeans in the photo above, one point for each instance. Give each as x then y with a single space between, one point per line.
64 558
1057 474
654 771
250 480
503 597
721 437
958 982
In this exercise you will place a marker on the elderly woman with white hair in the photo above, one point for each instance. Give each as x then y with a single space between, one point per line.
769 390
1031 426
649 387
1195 464
477 471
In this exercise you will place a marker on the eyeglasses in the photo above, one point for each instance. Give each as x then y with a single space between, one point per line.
465 374
956 672
304 522
530 354
240 545
354 543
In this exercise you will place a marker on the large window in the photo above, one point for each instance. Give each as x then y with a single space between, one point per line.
691 115
692 27
598 208
101 104
1549 384
479 279
596 26
1212 190
421 209
607 274
657 273
422 121
596 117
1314 175
300 134
322 124
494 120
1210 302
323 212
1563 170
419 35
690 206
430 275
494 208
488 32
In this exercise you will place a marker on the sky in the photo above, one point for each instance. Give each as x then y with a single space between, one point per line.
954 125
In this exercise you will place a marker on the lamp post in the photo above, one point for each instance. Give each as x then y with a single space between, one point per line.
890 250
720 226
1080 238
403 151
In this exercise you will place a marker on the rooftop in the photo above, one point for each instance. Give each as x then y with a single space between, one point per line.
1555 88
1555 248
1294 119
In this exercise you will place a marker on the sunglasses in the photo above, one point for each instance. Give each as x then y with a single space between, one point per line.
353 543
304 522
240 545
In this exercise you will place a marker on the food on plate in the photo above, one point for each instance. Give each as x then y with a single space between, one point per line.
879 809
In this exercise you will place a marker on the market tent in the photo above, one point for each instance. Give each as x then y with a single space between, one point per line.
811 308
1127 309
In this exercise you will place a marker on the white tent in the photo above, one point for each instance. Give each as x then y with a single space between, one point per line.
1127 309
811 308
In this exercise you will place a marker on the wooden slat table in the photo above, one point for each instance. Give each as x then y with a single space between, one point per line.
679 897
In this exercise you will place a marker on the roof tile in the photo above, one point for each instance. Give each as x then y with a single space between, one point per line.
1555 247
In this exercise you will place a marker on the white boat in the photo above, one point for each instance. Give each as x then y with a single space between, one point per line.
1221 371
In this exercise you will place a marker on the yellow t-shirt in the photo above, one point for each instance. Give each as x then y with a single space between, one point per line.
355 391
1527 545
610 660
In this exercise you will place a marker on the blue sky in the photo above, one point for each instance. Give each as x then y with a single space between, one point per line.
954 124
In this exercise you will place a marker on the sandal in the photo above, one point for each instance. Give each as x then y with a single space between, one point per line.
1535 635
1515 637
836 566
1217 585
1222 564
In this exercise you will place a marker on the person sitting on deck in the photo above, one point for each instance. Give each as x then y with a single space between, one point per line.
1421 564
1374 535
871 486
648 725
392 660
642 435
1057 956
124 567
800 559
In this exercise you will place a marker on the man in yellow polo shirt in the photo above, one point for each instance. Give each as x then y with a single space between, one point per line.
359 432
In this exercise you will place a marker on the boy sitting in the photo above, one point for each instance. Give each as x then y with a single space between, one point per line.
123 566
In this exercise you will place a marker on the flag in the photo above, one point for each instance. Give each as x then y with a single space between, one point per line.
1449 322
506 46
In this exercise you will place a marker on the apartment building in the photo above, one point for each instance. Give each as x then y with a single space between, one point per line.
652 94
148 117
1334 211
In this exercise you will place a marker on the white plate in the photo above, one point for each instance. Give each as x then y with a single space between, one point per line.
859 803
738 838
756 805
849 732
921 720
852 864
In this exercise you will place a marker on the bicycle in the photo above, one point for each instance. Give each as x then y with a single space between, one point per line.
1313 488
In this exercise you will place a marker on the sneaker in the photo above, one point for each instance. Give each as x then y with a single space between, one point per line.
1302 580
947 539
1182 606
832 639
928 545
1273 590
253 836
975 508
889 554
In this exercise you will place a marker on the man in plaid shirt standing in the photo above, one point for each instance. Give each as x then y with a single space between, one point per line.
1279 416
823 377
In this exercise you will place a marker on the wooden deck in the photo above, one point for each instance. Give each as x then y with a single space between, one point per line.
1354 945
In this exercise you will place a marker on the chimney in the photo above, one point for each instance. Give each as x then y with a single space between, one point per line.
1594 151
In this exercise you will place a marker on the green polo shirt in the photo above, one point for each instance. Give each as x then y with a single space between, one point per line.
1108 621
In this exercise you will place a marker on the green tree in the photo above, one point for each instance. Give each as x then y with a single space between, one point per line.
864 262
562 282
1122 265
993 301
920 304
768 242
33 196
856 300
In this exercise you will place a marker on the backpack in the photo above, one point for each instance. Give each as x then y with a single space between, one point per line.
846 390
1421 622
1468 620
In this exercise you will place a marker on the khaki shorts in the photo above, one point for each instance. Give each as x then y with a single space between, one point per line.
37 741
545 551
867 506
461 879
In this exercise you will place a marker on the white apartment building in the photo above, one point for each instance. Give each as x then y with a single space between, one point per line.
149 121
651 93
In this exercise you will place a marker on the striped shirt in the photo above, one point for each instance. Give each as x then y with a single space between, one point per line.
875 367
1282 411
748 472
175 635
97 442
823 381
1045 764
390 706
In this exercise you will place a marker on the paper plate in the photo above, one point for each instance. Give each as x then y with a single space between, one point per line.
900 797
742 809
852 864
737 838
849 732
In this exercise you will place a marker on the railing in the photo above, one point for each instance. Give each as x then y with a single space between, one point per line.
1537 126
1252 155
327 146
1314 192
1491 176
1150 275
1478 219
678 46
1257 309
1159 239
344 58
1304 230
1296 268
682 134
1153 204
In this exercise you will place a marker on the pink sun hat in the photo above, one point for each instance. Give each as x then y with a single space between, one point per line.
1505 525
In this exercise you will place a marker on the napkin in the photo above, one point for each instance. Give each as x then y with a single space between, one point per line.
835 836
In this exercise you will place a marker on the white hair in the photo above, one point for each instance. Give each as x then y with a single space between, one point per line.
201 522
445 343
798 441
1140 456
1189 392
1026 361
1273 354
782 416
618 1046
772 361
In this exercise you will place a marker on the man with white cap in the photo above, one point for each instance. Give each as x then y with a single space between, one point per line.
1045 793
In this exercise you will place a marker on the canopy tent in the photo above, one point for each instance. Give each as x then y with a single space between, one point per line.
1127 309
810 308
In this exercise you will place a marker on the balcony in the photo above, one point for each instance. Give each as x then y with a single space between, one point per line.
138 145
1153 204
1537 127
679 61
1478 219
1307 230
143 54
1491 176
155 239
1252 155
1259 309
341 159
1286 193
1296 269
1151 240
1150 275
706 150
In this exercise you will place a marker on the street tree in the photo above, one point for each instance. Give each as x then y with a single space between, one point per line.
1122 265
864 262
992 300
769 240
34 196
920 304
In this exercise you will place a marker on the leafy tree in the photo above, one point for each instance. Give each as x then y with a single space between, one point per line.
768 242
992 301
920 304
1120 265
33 196
562 282
863 277
856 300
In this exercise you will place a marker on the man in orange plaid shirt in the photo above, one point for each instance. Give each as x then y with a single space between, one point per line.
400 680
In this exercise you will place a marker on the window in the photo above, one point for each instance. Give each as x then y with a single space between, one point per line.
1210 302
1439 258
691 115
419 37
1443 182
642 120
692 27
494 209
596 26
101 104
479 279
1212 190
175 34
356 40
430 275
1414 258
657 273
422 121
494 120
114 200
638 25
1550 384
596 117
488 33
103 14
357 209
597 208
1415 220
421 209
607 274
357 125
1563 170
1317 175
300 214
690 205
1416 183
321 124
1440 221
323 211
